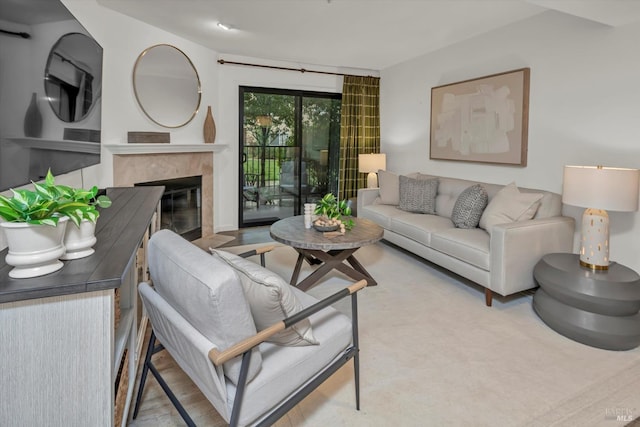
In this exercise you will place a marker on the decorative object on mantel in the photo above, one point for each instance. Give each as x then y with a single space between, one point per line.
36 224
598 188
209 129
89 135
149 137
33 119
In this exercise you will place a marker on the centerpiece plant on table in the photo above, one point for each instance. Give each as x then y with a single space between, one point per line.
332 211
35 222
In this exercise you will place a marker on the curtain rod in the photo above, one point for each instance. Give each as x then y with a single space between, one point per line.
302 70
16 33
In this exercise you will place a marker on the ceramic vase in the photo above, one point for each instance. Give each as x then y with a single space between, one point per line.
209 127
33 119
34 250
79 241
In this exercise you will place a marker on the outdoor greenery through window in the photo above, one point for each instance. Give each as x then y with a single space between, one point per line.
289 151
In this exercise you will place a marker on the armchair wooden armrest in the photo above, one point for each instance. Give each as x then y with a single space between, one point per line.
258 251
220 357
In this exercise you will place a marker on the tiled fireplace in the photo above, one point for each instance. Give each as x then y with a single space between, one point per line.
135 168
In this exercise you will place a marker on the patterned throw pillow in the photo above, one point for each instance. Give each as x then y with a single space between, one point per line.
469 206
418 195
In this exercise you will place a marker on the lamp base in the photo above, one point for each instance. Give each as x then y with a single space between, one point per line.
594 242
372 180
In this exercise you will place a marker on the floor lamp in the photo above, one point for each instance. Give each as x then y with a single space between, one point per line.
598 188
371 164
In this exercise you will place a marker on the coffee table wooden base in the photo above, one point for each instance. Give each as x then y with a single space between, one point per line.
330 260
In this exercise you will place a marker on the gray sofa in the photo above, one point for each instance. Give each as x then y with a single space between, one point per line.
501 260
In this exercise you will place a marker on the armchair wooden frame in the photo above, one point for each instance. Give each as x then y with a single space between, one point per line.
243 348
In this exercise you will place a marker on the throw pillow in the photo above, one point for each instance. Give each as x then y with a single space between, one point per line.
418 195
271 299
469 207
389 188
509 205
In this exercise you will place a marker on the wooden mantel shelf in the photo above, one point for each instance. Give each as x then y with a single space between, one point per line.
125 149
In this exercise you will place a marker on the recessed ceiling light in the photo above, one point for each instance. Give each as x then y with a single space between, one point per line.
224 26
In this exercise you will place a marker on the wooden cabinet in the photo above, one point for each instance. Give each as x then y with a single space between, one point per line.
59 350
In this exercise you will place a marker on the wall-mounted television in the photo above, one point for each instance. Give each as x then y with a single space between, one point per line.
50 92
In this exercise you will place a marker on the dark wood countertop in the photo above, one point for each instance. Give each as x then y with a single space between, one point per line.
119 230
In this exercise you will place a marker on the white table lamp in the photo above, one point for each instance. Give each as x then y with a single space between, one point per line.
598 188
371 164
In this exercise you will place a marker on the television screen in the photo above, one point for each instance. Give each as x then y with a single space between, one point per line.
50 92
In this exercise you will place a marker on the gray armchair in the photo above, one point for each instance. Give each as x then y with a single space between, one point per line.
201 314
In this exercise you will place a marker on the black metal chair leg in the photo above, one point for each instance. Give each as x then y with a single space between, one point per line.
356 344
151 350
145 371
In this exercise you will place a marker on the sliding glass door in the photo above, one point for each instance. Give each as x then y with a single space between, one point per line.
289 145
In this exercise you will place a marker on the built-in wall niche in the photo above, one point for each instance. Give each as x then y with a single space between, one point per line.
181 205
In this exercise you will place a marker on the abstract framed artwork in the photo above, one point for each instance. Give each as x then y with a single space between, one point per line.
482 120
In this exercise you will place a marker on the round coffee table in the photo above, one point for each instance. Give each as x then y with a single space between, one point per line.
597 308
326 249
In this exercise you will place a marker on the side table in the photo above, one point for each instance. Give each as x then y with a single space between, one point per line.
596 308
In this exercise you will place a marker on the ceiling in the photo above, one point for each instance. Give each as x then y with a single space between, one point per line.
366 34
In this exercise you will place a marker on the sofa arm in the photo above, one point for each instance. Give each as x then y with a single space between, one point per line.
517 247
366 196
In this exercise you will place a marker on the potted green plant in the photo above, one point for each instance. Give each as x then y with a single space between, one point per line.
80 237
35 222
331 212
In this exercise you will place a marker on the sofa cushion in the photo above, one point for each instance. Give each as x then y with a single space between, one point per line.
206 292
509 205
379 213
389 188
471 246
469 207
419 227
271 299
418 195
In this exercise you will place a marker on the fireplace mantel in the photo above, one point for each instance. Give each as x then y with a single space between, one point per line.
140 163
125 149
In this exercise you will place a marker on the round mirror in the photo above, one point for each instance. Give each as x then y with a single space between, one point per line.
73 76
166 85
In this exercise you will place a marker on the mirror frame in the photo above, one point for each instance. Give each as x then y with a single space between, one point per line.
137 95
97 81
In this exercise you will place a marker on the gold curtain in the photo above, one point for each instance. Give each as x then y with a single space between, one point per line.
359 130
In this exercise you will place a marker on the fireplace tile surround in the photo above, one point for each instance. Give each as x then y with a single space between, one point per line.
130 168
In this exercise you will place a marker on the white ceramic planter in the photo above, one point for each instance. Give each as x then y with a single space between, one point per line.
79 241
34 250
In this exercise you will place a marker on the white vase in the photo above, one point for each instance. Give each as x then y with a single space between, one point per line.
34 250
79 241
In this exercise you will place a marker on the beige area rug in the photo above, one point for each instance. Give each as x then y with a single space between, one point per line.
432 354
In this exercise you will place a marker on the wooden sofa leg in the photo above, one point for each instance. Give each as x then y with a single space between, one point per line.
488 297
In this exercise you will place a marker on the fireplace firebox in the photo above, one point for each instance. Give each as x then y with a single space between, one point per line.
181 205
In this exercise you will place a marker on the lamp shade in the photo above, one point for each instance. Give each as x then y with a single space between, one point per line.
368 163
614 189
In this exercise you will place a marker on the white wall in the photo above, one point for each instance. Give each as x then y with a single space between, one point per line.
583 106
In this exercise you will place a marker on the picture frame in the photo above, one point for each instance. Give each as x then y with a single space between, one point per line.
484 120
